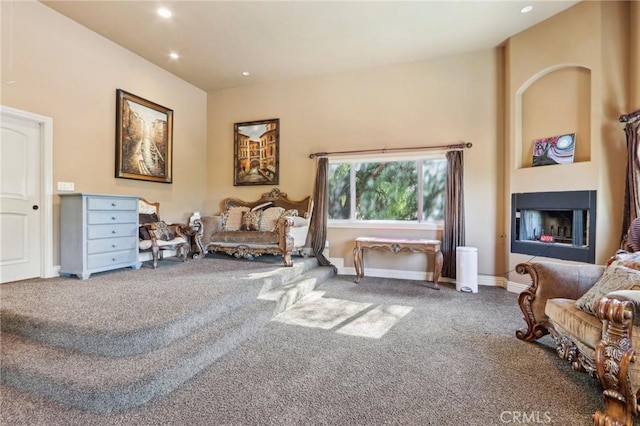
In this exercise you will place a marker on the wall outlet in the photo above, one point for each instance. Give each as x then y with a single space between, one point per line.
66 186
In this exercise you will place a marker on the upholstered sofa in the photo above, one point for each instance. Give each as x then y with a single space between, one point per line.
272 224
592 314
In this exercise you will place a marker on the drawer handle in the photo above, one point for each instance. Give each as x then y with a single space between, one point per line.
113 245
113 204
113 232
114 259
113 218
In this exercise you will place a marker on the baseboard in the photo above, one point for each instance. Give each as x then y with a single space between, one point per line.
516 287
485 280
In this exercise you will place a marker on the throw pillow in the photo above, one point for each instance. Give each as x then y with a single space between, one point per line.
261 206
290 212
615 277
270 218
628 259
250 221
148 218
143 233
232 218
161 231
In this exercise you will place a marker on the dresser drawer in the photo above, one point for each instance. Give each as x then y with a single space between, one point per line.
98 203
96 217
111 244
111 231
97 261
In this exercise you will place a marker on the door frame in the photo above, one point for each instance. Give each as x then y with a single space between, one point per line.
47 269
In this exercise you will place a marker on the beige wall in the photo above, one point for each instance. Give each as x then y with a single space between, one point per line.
443 101
68 73
591 36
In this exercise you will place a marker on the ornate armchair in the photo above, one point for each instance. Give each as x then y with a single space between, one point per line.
157 236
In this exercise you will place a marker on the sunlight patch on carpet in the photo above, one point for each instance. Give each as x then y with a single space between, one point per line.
324 313
350 318
376 322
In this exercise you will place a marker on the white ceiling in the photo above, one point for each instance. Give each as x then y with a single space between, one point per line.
275 40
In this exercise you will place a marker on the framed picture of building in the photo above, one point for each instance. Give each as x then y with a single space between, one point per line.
144 139
256 153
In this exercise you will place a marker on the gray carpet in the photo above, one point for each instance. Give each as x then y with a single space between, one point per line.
452 360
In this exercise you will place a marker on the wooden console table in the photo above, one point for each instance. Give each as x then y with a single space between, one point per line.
396 245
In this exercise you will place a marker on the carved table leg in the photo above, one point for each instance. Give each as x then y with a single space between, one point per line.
196 244
358 262
437 270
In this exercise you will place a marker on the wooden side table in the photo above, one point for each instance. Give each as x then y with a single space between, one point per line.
194 233
397 245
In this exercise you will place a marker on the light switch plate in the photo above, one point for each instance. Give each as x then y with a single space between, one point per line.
66 186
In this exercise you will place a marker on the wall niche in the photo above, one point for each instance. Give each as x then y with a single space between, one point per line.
557 102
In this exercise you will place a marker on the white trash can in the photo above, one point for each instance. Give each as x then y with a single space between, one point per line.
467 269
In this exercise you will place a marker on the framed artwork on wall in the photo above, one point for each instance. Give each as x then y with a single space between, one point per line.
256 153
554 150
144 139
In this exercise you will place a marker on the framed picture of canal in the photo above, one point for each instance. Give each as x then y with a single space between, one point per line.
256 153
144 139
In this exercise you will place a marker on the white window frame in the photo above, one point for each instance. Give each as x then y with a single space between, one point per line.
437 225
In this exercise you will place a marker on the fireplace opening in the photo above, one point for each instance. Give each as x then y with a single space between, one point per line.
559 225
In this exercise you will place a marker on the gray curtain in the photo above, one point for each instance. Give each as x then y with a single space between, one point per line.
320 213
453 233
632 184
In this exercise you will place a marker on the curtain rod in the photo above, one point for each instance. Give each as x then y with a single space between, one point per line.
629 117
386 150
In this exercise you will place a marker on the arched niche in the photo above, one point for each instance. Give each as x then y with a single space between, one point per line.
554 102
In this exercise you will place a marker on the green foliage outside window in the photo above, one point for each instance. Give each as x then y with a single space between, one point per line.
434 187
388 190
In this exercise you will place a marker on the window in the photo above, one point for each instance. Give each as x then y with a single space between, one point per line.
390 190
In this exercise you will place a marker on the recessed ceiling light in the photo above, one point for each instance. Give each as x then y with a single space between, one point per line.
526 9
246 73
174 55
164 12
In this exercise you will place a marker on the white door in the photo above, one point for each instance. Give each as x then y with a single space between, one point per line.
20 198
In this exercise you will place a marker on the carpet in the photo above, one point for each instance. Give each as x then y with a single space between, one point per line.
448 358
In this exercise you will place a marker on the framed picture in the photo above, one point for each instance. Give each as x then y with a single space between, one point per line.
256 153
144 139
554 150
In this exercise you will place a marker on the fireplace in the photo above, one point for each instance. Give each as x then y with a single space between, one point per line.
560 225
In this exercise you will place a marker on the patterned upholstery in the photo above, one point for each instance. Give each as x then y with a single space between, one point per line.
157 236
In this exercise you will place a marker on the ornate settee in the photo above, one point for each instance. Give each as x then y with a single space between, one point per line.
271 225
592 314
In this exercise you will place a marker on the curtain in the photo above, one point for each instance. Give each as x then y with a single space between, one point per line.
453 233
320 213
632 184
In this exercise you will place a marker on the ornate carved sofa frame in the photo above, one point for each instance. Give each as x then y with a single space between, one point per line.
603 345
289 236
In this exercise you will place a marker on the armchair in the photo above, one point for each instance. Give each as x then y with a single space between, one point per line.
157 236
592 313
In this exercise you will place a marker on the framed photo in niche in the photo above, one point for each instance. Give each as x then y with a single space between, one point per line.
256 153
144 139
554 150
